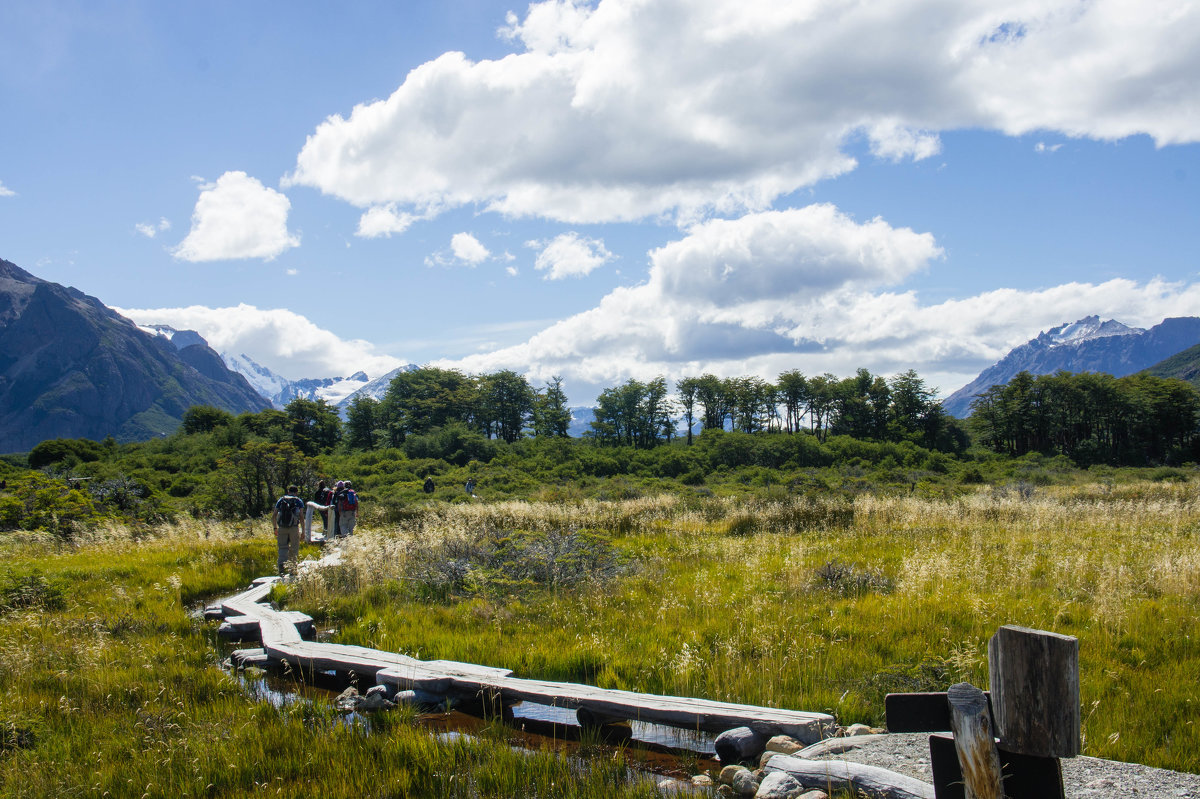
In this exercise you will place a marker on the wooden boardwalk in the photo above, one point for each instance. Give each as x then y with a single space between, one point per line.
283 642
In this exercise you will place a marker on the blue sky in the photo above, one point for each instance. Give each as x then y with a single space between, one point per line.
611 189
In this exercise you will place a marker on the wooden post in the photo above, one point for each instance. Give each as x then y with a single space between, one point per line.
1034 677
974 741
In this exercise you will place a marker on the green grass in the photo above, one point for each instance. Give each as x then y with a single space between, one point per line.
810 604
111 686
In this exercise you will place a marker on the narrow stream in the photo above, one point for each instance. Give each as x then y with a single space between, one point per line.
654 750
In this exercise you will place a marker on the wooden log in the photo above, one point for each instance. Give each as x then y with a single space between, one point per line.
974 741
1034 677
831 775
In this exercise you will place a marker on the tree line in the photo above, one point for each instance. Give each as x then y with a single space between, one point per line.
1091 418
865 406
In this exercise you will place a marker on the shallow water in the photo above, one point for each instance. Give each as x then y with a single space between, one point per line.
653 750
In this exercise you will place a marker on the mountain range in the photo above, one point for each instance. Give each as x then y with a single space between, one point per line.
70 367
1088 345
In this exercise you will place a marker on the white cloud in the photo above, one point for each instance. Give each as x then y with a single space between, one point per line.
1042 147
284 342
150 230
5 191
637 108
467 249
237 217
383 220
569 255
512 271
809 289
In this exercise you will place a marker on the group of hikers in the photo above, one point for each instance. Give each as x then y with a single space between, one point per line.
288 517
339 503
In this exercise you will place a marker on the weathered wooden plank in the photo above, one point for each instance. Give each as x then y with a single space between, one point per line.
919 712
847 776
1025 776
1034 677
974 742
282 642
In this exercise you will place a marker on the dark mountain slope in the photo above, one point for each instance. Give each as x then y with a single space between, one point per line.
72 368
1182 365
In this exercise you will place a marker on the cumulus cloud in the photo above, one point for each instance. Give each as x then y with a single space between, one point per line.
237 217
468 249
383 220
569 255
814 290
628 109
5 191
150 229
283 341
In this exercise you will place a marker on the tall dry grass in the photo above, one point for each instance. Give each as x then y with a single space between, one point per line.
811 603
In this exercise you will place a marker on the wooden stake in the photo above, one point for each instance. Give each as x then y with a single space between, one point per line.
975 742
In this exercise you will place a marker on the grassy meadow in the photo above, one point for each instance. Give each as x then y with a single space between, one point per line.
824 603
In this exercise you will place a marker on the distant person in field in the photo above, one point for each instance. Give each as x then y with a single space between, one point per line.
428 487
324 496
286 518
470 487
348 507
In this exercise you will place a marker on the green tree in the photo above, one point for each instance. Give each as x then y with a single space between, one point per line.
792 391
687 389
205 419
425 399
362 419
551 417
249 480
313 425
505 403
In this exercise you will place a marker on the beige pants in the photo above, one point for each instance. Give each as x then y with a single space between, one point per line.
346 522
288 539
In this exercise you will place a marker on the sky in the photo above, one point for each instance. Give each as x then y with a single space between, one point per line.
608 190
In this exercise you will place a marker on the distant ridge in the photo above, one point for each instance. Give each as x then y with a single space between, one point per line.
1087 345
70 367
1182 366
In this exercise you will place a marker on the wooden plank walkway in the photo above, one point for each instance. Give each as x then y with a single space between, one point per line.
283 643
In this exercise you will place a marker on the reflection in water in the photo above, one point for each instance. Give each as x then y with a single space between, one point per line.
650 748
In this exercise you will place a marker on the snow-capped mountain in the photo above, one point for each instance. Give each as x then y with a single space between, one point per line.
337 391
1088 345
280 391
375 389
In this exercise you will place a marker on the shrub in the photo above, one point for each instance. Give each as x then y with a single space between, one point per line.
848 580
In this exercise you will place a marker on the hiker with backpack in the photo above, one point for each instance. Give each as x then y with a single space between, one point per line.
286 519
324 496
347 505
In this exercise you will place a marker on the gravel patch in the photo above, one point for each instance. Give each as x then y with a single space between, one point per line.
1083 777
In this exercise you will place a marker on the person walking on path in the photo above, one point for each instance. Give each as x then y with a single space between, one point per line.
335 500
348 510
286 519
324 496
470 487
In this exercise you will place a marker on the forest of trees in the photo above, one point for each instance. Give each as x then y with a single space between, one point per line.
1090 418
727 433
